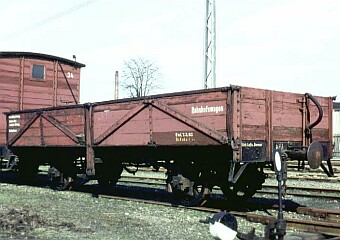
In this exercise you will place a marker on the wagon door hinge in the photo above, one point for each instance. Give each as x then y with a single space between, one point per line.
235 144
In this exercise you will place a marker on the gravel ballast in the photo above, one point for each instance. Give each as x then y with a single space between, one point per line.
73 215
41 213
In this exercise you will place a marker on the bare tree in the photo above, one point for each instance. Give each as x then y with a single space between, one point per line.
140 77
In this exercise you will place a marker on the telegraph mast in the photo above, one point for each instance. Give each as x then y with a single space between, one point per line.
209 80
116 92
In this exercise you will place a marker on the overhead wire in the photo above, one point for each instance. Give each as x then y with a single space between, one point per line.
47 20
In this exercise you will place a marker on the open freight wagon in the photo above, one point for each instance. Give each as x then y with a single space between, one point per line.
217 137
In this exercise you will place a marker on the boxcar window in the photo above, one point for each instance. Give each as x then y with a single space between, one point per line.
38 71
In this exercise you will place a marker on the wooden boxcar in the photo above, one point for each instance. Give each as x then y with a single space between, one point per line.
223 136
336 130
33 80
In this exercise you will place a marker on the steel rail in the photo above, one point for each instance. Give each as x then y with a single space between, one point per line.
289 188
326 221
331 229
316 178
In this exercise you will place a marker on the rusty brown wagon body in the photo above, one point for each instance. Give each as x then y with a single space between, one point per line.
33 80
221 136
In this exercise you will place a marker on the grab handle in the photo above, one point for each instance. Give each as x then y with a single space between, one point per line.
317 104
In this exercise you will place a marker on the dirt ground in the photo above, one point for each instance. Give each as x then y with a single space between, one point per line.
28 212
20 223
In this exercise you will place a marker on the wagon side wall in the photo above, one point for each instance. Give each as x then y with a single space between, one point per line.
9 91
20 90
168 120
52 128
256 121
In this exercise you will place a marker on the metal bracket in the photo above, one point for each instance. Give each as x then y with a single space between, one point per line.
231 177
329 171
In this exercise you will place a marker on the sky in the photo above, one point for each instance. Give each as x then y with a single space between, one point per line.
284 45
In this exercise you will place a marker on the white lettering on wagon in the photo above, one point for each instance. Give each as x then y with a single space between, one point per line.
13 121
251 144
69 75
184 137
207 109
13 116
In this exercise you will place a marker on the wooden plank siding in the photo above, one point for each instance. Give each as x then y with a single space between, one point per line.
20 91
240 116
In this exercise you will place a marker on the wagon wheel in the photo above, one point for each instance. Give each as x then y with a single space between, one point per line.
238 192
108 176
27 170
186 195
59 180
200 193
61 183
245 187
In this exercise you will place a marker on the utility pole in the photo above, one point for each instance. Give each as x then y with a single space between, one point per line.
209 78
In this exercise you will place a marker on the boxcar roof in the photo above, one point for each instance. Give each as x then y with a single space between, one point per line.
41 57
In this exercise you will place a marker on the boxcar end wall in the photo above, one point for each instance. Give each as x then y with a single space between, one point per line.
33 80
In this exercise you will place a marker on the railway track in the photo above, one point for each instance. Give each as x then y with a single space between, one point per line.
293 174
270 189
307 177
326 222
310 192
311 220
